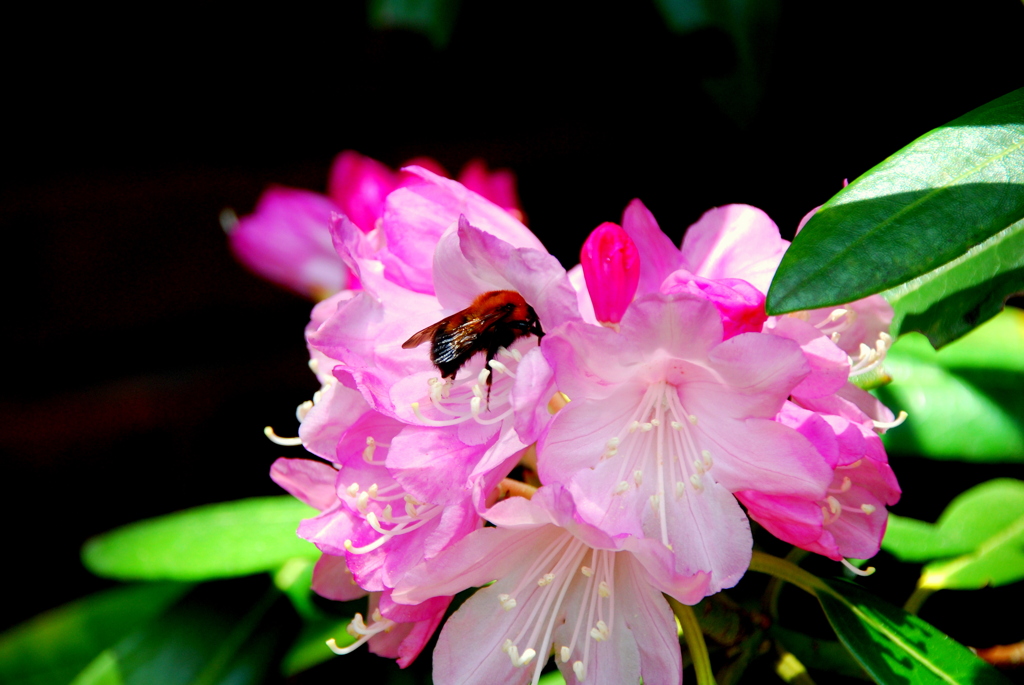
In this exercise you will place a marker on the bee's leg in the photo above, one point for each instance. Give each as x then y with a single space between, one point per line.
492 352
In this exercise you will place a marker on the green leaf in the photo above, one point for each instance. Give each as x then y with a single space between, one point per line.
896 647
53 647
433 18
945 193
964 402
206 639
982 529
310 648
212 541
824 655
948 302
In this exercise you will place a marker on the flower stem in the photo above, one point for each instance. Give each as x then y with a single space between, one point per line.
917 598
694 641
788 572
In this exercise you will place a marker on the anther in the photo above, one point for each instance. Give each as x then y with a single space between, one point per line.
834 506
314 365
868 508
387 513
507 602
638 477
586 571
604 590
527 657
692 419
633 426
655 422
564 653
696 482
481 377
680 488
708 462
302 410
891 424
372 491
655 501
353 489
698 466
601 632
621 487
580 669
678 426
644 427
546 579
362 501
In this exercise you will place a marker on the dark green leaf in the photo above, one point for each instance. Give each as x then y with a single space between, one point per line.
53 647
896 647
824 655
433 18
982 529
209 638
213 541
965 401
947 192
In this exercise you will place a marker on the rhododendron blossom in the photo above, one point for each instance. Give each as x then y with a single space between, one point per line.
661 401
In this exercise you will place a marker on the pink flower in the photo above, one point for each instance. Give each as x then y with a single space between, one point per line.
667 420
287 240
611 265
560 584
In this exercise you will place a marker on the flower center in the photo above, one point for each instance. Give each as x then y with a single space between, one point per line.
450 403
388 523
565 562
659 453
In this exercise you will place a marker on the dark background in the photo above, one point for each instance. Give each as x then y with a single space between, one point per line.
141 362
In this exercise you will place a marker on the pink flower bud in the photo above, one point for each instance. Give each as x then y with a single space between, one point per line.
611 267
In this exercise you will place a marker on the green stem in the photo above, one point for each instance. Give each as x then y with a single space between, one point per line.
790 573
695 642
916 599
774 588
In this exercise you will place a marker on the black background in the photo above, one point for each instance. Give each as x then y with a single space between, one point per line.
141 362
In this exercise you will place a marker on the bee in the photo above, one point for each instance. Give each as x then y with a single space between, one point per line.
495 319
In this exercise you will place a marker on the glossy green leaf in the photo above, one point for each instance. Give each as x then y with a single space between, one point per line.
945 193
433 18
52 647
214 541
965 401
978 540
948 302
899 648
206 639
310 648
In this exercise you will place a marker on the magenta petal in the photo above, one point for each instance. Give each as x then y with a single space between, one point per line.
308 480
658 256
740 304
415 626
611 265
830 366
359 185
498 186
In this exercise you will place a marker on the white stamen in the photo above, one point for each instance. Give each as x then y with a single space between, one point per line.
692 419
278 440
891 424
678 426
303 410
353 489
387 513
603 590
362 501
314 365
868 508
601 632
546 579
644 427
564 653
507 603
586 571
856 571
580 669
621 487
655 501
680 488
638 477
501 368
708 462
696 482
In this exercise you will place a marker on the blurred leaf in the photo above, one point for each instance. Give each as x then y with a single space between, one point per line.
311 648
983 529
433 18
945 193
295 580
53 647
965 401
553 678
213 541
824 655
896 647
206 639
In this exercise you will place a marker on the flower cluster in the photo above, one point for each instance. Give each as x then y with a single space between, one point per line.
649 409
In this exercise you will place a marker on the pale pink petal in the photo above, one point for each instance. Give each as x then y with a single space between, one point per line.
740 304
583 301
829 365
534 388
416 625
333 580
309 481
734 241
658 256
